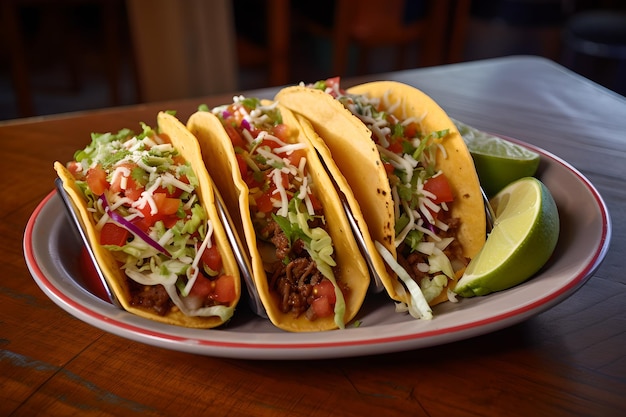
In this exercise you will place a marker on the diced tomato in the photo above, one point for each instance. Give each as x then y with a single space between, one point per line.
241 163
167 208
179 160
264 203
395 146
165 204
332 82
272 144
75 168
317 205
234 136
325 289
388 168
112 234
251 180
142 223
281 131
133 188
322 307
170 221
410 130
324 298
134 191
221 290
97 180
202 287
225 291
440 187
212 258
295 156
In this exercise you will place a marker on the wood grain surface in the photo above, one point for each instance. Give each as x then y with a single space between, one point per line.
567 361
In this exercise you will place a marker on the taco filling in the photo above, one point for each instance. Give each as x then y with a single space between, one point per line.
288 219
143 197
425 231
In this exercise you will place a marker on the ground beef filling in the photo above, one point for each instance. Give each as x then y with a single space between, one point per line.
294 274
410 260
150 297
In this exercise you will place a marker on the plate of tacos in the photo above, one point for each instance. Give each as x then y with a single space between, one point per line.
353 213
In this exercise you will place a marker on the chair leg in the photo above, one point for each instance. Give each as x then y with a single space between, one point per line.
19 66
279 33
112 50
341 41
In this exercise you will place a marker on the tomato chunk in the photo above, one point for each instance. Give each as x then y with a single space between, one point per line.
126 184
221 290
317 205
295 156
264 203
235 136
167 208
75 169
242 165
322 307
166 205
325 289
332 82
225 291
389 169
395 146
324 298
97 180
281 131
202 287
440 187
212 258
112 234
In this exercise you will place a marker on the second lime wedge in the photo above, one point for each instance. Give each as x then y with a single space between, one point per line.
498 162
524 235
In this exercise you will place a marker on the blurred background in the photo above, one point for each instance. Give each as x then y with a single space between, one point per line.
60 56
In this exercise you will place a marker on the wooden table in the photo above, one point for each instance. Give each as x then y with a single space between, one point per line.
569 360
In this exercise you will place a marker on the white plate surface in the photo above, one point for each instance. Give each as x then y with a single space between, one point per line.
53 256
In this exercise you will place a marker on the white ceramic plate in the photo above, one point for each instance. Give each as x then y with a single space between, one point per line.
54 257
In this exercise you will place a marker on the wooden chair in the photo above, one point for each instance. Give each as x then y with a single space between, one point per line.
14 36
369 24
274 55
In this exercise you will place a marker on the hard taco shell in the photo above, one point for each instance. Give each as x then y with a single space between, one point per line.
219 157
350 151
187 146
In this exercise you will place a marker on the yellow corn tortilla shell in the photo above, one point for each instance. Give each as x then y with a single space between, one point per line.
220 160
352 158
187 146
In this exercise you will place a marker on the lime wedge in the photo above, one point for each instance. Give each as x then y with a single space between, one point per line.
498 162
524 236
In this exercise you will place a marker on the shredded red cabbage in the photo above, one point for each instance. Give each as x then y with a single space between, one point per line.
119 219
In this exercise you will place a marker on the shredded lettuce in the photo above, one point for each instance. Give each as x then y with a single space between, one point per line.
418 305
